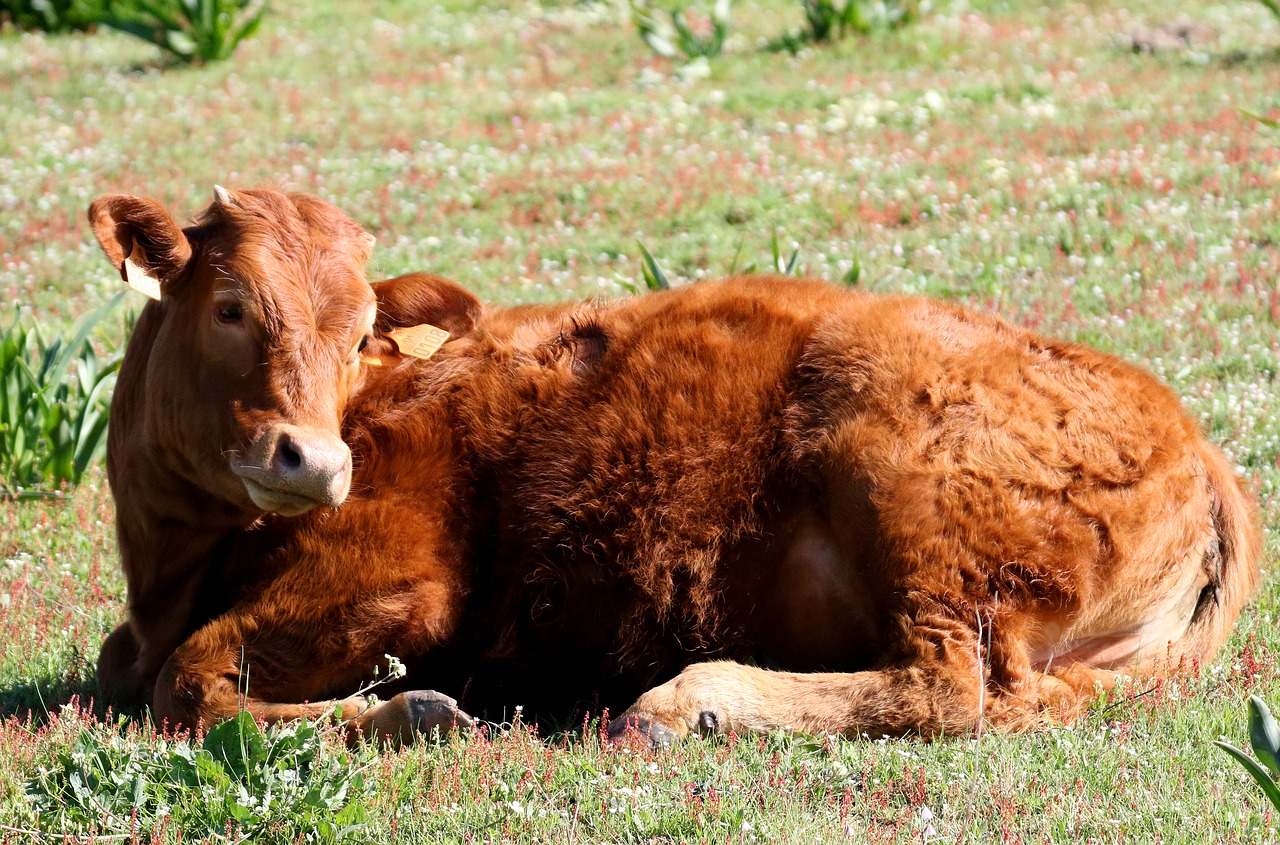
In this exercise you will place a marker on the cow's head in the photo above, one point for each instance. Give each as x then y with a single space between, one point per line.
255 344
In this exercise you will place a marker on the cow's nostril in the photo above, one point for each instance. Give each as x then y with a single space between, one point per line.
287 455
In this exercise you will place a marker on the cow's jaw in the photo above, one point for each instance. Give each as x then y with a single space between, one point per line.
289 470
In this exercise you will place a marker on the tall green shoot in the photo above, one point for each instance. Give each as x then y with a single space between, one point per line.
680 37
192 31
54 397
1264 737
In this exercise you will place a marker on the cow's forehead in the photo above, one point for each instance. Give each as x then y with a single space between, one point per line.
300 277
315 290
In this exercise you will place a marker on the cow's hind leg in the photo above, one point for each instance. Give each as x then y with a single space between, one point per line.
948 692
721 697
1066 691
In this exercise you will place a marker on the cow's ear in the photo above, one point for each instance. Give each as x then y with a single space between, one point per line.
421 298
141 232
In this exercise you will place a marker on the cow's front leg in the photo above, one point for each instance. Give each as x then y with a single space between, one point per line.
216 674
943 689
411 714
257 657
120 680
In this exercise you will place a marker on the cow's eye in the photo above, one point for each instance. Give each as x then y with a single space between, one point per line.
364 341
230 312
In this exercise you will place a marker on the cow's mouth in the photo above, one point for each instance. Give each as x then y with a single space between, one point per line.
272 500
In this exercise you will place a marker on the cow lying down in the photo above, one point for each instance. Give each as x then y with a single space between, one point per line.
930 519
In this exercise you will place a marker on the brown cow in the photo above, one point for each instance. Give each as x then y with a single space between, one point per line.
934 519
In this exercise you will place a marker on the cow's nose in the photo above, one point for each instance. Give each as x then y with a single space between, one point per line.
290 462
311 463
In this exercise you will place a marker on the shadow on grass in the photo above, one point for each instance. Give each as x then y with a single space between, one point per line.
36 699
160 64
1233 58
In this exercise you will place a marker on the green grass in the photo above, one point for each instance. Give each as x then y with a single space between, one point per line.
1007 155
54 395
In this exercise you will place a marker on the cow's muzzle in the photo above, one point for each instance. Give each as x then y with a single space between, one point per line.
290 469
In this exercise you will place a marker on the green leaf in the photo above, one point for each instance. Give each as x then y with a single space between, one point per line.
1256 771
654 278
191 30
626 284
238 744
208 14
1264 735
180 44
659 44
210 771
689 42
146 32
91 444
651 31
250 27
855 272
350 818
785 268
676 38
1265 121
733 265
139 789
162 11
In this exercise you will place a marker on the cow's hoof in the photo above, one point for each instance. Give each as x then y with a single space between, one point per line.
658 734
410 714
428 710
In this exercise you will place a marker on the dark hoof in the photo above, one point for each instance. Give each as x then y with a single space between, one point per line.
429 709
658 734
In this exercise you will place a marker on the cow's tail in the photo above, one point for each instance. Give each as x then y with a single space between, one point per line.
1232 562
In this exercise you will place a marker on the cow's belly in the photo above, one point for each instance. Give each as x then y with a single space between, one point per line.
820 611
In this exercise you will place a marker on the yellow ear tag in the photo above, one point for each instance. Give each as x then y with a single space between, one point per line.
419 341
139 279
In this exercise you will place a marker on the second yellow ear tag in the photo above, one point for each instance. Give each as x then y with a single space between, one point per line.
138 278
419 341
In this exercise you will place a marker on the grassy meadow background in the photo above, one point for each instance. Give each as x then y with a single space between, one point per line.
1018 157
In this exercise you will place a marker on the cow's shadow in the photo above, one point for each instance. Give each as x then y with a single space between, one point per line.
37 700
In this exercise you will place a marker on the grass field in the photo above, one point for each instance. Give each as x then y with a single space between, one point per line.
1018 157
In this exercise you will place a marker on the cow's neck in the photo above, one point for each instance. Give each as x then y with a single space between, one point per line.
168 528
169 536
